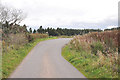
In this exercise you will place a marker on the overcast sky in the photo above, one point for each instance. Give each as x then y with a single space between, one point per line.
76 14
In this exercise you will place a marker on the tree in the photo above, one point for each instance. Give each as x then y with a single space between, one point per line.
40 30
30 30
40 27
34 31
11 15
25 28
0 25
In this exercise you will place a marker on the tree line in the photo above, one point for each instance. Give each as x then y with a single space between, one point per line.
65 31
117 28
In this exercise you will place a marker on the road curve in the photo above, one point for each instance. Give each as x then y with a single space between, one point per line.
45 61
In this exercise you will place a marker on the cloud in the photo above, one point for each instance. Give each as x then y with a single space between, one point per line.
68 13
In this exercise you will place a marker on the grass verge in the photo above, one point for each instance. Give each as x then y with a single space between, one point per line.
87 64
13 58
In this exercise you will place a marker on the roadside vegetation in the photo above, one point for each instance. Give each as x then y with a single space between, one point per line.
94 54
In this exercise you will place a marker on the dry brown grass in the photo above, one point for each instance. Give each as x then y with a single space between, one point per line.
106 37
106 58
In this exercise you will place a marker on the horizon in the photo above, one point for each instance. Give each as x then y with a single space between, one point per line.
28 27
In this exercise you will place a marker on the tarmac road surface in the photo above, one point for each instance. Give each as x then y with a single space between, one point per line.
45 61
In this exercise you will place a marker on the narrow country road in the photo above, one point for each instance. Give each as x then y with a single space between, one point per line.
45 61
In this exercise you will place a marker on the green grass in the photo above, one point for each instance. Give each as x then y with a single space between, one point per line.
13 58
87 63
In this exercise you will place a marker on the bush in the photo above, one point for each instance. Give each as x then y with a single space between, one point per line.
18 39
95 47
38 35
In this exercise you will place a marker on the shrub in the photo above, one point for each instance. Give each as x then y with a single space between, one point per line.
95 47
18 39
38 35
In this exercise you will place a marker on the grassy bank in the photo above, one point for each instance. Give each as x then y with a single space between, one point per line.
11 59
94 58
87 64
